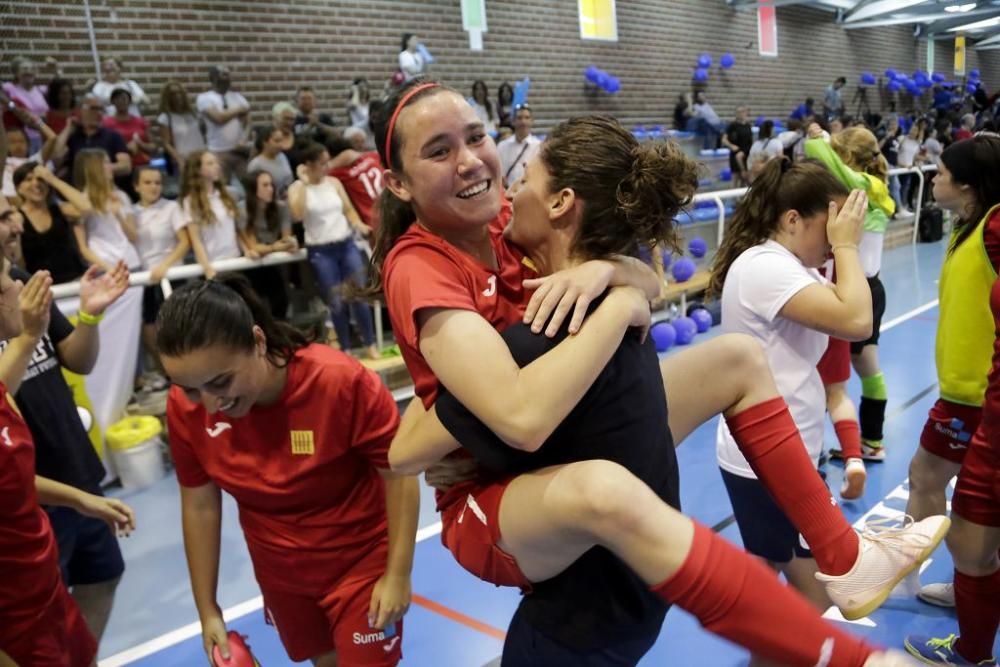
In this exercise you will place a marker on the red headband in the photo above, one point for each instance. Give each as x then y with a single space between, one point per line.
395 114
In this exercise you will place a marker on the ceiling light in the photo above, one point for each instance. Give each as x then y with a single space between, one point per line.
960 9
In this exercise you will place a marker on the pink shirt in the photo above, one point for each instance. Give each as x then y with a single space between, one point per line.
33 100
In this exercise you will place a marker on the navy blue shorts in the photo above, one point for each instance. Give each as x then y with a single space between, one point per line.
88 550
525 646
765 529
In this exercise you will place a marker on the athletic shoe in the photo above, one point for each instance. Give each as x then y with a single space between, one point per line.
886 554
939 595
870 451
890 659
854 479
933 651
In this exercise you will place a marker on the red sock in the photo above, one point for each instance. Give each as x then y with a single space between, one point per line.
849 436
770 441
977 602
737 597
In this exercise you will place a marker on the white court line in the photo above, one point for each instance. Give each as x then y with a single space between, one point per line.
190 630
194 629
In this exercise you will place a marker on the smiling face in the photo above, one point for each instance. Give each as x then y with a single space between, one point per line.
33 189
450 167
220 378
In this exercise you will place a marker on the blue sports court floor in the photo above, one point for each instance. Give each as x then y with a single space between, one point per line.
458 621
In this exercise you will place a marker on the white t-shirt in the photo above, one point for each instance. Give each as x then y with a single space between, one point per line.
103 90
229 135
411 64
763 150
513 155
106 238
325 221
184 131
219 237
906 151
489 122
759 284
157 226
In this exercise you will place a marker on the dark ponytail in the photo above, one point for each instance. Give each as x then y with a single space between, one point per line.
395 215
807 187
974 162
222 312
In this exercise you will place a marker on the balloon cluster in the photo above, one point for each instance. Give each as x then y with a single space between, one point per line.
704 62
915 85
602 80
973 81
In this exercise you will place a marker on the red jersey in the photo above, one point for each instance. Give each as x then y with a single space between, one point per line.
29 558
363 181
127 128
302 471
424 271
991 404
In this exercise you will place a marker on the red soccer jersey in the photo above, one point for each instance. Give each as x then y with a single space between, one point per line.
363 181
29 560
425 271
135 125
991 404
303 470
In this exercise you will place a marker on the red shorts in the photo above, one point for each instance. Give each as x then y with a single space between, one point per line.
835 365
58 638
471 531
337 620
949 428
977 494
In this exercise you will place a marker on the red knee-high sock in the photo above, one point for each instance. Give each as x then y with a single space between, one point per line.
977 602
735 596
770 441
849 437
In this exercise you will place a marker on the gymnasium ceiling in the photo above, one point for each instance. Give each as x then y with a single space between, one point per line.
930 19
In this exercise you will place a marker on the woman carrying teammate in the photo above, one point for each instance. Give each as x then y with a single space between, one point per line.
440 274
298 434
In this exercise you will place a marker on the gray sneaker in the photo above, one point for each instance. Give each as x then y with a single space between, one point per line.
939 595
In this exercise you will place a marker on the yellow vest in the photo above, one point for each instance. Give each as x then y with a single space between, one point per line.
966 330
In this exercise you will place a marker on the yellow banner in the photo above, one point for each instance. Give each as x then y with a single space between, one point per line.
960 55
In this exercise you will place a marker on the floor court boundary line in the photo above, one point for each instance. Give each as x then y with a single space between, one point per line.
190 630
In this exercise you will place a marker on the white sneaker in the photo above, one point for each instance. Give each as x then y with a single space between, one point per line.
890 659
886 555
854 479
939 595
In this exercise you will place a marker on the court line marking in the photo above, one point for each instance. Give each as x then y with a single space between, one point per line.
459 617
242 609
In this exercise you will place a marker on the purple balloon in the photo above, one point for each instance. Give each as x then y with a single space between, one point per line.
664 336
701 75
683 269
702 319
613 85
697 246
727 60
686 330
704 60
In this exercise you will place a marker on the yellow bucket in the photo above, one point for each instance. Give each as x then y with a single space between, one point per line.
132 432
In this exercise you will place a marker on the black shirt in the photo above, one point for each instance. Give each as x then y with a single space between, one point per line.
598 601
54 251
741 135
63 450
108 140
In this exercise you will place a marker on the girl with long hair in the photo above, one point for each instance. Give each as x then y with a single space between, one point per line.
107 234
211 213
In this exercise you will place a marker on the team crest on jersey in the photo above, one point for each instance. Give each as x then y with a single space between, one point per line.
302 443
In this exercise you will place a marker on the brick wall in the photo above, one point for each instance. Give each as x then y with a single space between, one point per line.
274 46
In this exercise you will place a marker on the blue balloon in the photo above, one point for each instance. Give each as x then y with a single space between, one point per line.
702 319
726 174
697 247
759 121
521 92
973 74
686 330
701 75
704 61
937 77
602 79
727 60
639 132
868 78
683 269
970 87
913 89
591 74
664 335
893 86
891 74
613 85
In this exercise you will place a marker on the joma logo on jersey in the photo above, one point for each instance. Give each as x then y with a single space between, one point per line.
302 443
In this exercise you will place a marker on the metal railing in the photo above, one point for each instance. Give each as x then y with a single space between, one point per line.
735 193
